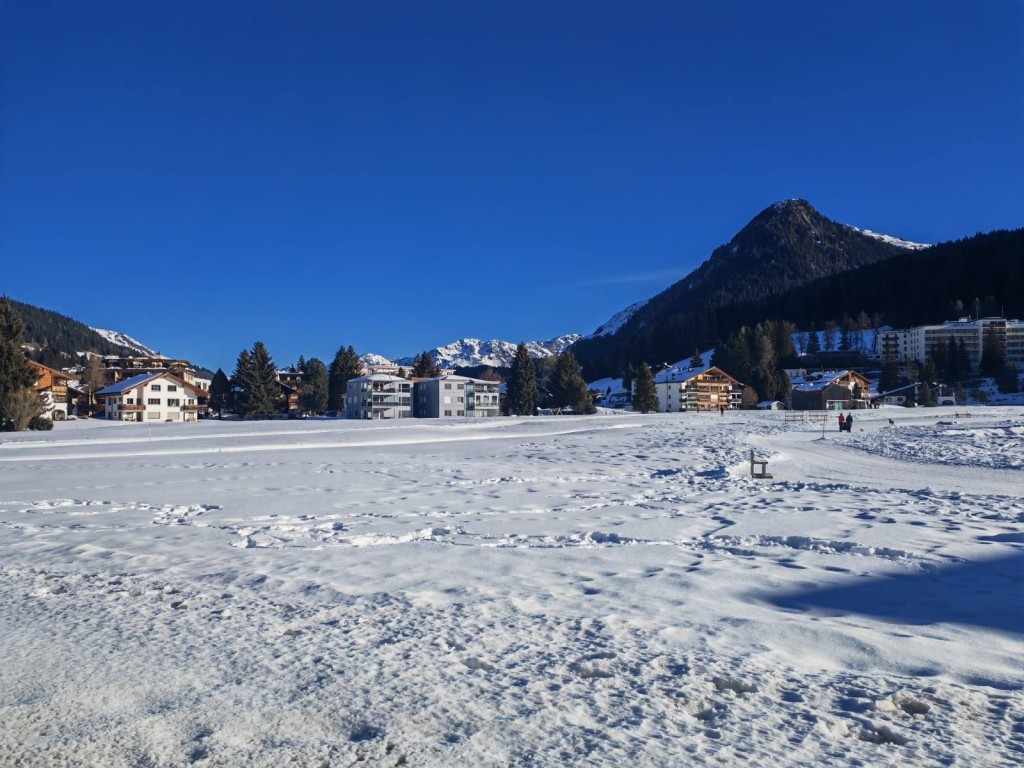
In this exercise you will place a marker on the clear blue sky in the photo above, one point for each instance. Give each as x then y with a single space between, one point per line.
396 175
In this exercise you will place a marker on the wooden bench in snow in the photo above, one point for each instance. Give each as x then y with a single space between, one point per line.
959 415
759 467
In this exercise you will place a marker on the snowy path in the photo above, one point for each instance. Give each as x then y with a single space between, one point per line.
544 592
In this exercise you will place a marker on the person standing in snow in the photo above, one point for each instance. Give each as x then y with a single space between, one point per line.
849 423
841 420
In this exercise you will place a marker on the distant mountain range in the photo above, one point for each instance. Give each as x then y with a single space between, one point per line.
470 353
783 265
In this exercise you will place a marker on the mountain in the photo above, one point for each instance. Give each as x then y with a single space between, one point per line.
127 342
468 353
786 246
56 340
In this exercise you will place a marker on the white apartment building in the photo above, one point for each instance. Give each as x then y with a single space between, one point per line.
696 389
925 341
455 396
378 396
151 397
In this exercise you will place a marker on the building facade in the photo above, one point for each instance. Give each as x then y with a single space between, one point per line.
52 385
924 341
456 396
151 397
697 389
378 396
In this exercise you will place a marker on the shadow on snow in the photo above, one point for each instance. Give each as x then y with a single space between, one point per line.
987 593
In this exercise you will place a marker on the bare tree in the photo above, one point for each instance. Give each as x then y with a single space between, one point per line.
22 406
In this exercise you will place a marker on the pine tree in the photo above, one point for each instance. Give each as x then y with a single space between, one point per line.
645 394
267 394
220 392
697 361
256 379
522 384
315 394
17 376
242 381
813 342
345 367
567 387
424 367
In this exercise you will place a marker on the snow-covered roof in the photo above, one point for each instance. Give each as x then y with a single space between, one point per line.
134 381
678 373
378 377
814 382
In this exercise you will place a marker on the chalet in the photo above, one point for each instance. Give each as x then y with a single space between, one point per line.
151 397
771 405
705 388
120 368
53 386
831 391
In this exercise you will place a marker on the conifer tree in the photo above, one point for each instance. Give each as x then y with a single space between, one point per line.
345 366
813 342
567 387
645 394
522 394
315 393
627 378
220 392
242 383
424 366
697 361
890 376
256 379
17 376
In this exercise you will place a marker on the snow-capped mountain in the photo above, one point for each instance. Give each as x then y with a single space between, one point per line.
124 340
371 360
466 353
891 240
618 320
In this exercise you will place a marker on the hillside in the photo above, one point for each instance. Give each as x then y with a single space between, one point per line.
975 276
55 339
786 246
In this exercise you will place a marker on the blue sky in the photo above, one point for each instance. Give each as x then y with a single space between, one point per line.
394 176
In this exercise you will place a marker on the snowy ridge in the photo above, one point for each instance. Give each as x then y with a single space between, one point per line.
890 239
466 353
124 340
372 360
618 320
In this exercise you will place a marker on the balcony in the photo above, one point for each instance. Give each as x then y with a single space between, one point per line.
131 407
193 408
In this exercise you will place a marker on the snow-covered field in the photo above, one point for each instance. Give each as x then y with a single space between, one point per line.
608 590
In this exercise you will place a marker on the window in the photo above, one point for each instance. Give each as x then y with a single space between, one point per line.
172 387
173 402
447 413
153 401
129 400
155 387
447 385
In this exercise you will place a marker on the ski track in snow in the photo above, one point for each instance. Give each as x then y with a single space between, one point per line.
600 591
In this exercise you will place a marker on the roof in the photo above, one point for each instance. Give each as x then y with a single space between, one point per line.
142 378
53 371
378 377
679 374
134 381
818 381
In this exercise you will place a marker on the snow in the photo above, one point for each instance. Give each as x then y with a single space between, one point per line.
891 240
618 320
124 340
466 353
608 590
